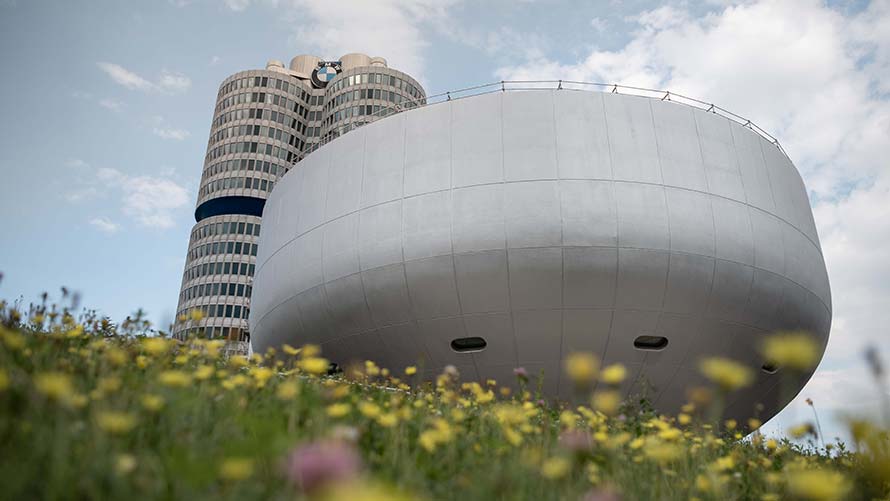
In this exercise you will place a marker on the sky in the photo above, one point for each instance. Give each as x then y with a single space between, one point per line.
106 109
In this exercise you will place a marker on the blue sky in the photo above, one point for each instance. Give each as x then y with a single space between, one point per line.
107 106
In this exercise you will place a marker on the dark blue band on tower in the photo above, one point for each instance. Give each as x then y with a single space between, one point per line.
245 206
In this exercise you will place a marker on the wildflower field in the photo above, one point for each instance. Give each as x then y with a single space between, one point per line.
98 411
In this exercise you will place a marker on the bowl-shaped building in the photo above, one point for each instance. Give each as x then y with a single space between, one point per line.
542 223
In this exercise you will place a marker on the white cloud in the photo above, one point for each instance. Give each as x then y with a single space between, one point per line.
168 133
168 82
111 104
599 24
173 82
151 201
79 195
104 224
125 77
818 80
394 29
237 5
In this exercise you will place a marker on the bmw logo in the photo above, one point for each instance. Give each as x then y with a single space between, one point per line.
325 72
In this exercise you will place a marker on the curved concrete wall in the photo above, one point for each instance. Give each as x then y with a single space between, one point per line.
545 222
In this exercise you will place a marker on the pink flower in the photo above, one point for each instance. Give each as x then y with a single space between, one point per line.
321 463
575 440
521 373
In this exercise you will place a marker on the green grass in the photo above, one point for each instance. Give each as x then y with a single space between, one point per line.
98 412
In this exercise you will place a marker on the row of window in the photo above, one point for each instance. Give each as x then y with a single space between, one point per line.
229 333
220 268
359 111
222 311
228 183
355 95
226 228
214 248
255 130
262 97
256 113
247 164
216 289
254 147
375 78
275 83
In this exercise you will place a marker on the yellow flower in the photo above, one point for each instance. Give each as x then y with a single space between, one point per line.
754 423
338 410
568 419
54 385
555 468
581 368
236 468
196 314
175 379
817 484
203 372
152 403
124 464
155 346
410 370
314 365
771 444
13 340
287 390
369 409
290 350
796 350
115 423
371 368
388 420
310 350
606 402
728 374
142 361
661 452
116 356
261 375
684 418
613 374
725 463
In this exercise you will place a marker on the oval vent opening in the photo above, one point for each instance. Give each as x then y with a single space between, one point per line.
769 368
468 344
651 343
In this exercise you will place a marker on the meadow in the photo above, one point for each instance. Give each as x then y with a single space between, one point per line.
91 409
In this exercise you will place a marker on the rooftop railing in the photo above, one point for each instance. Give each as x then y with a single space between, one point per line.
531 85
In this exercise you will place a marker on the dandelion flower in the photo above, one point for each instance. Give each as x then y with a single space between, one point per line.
54 385
236 468
581 368
338 410
116 423
152 403
175 379
555 468
613 374
155 346
728 374
818 484
796 350
124 464
606 402
287 390
388 420
314 365
410 370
